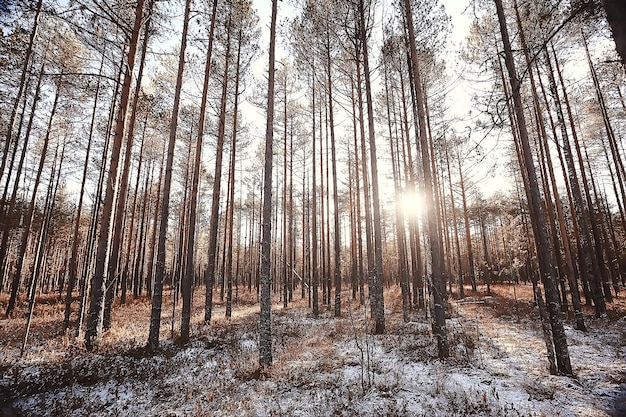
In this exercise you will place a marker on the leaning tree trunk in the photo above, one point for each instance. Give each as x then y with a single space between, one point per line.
73 265
116 242
98 279
15 284
20 91
539 225
436 282
6 214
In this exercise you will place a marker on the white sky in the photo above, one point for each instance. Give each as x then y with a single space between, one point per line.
459 99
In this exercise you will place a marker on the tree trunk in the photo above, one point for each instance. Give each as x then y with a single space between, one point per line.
376 292
231 186
436 281
265 319
21 88
155 316
215 200
538 218
116 242
616 16
15 284
74 251
187 278
98 280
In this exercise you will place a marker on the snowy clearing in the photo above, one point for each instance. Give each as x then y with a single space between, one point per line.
323 366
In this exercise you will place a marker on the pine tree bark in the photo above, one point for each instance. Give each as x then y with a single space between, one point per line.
537 216
376 292
157 298
15 284
21 88
116 242
98 280
436 281
265 318
5 214
73 265
188 277
314 246
215 199
231 186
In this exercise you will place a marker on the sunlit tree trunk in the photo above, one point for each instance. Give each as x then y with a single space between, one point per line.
357 209
116 242
7 214
53 186
15 284
73 265
215 199
157 298
588 263
537 216
21 88
188 277
98 280
376 292
265 319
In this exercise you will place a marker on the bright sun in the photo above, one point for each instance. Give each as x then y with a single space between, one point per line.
412 204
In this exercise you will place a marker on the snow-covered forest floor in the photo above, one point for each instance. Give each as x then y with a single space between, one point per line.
322 367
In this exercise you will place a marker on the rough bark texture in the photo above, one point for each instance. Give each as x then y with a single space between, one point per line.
215 199
188 276
376 292
157 298
98 280
265 319
436 281
535 204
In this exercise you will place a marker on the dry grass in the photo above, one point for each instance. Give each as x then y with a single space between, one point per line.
309 353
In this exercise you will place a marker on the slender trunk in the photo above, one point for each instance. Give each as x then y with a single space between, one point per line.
89 254
15 284
538 218
21 88
231 187
98 280
588 262
74 252
436 281
265 319
215 201
357 177
376 292
157 298
315 282
187 278
53 186
116 242
337 232
456 229
5 215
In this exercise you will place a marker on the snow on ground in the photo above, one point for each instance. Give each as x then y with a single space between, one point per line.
329 366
